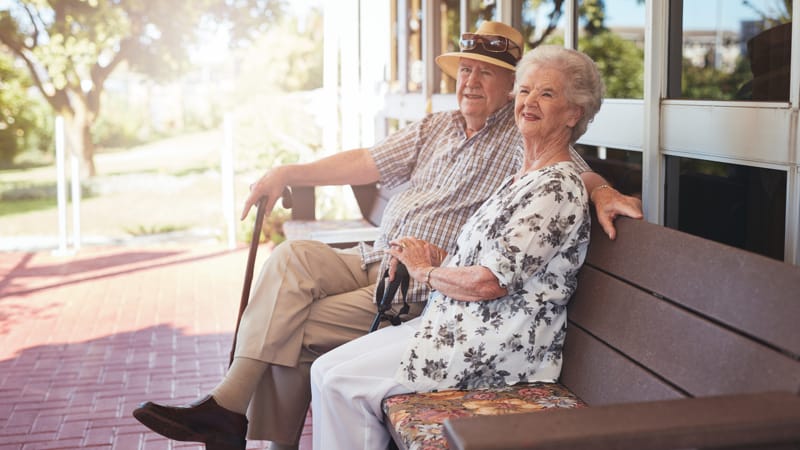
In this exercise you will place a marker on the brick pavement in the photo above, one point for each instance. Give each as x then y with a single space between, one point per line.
86 338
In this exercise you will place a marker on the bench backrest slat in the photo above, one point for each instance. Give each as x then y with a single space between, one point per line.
695 354
600 375
645 324
742 289
372 199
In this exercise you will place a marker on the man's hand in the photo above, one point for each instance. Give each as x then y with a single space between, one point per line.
610 203
271 186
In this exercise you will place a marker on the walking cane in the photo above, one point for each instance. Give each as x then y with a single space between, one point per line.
286 200
386 295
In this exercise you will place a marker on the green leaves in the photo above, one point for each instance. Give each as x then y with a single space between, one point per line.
70 47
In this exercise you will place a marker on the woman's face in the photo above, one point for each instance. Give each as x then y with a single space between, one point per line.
542 109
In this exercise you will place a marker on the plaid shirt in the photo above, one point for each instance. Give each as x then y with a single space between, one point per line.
449 177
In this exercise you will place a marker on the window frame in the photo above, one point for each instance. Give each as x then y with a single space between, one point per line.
752 133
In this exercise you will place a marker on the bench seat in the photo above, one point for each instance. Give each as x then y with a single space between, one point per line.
333 232
371 200
417 419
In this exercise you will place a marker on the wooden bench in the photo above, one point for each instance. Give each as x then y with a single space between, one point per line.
673 341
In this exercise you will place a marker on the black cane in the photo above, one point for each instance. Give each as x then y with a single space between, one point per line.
385 297
251 260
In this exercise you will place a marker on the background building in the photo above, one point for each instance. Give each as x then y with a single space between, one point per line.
702 118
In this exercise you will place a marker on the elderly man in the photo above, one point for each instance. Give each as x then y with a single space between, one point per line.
311 298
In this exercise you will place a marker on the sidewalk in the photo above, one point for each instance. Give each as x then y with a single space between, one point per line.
85 338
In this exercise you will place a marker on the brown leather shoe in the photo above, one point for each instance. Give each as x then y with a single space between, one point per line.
202 421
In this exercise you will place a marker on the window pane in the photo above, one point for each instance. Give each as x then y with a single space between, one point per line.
621 168
542 22
450 28
416 68
479 11
737 205
612 33
450 33
733 50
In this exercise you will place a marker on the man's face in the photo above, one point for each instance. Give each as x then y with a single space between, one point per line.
482 88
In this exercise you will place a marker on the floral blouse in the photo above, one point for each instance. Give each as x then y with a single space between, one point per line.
533 235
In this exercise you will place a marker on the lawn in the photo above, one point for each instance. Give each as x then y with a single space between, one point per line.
170 186
167 185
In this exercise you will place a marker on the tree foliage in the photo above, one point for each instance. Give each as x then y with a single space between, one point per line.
71 47
708 83
779 12
22 119
621 63
287 58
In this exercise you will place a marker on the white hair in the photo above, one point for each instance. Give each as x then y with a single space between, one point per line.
585 87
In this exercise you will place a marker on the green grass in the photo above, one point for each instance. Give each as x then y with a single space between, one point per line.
146 230
179 188
19 197
12 207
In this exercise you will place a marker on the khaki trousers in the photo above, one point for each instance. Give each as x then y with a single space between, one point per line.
309 299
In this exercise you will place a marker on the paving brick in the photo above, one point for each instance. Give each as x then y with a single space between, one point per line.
47 424
127 441
100 435
60 444
73 429
85 338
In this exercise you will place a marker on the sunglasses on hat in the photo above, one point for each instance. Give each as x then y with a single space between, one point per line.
490 43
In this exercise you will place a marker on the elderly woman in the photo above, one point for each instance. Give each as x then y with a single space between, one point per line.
497 312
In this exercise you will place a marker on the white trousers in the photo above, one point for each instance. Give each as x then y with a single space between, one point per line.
348 384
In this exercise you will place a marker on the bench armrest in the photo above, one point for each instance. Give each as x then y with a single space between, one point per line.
734 420
303 203
336 233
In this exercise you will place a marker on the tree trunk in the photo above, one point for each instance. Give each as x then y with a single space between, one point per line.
88 148
78 128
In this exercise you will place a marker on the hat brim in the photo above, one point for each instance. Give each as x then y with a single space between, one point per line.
448 62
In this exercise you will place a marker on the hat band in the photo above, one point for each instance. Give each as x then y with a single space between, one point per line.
506 57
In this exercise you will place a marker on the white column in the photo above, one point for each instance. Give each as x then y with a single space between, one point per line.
226 177
791 247
571 25
350 99
61 184
656 24
76 200
792 241
375 61
330 76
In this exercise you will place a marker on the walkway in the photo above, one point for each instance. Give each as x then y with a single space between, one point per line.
85 338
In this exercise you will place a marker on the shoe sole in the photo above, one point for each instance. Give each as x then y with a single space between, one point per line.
178 432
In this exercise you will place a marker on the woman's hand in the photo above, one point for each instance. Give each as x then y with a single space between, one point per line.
610 203
417 255
474 283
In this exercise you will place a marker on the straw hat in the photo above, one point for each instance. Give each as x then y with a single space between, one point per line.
448 62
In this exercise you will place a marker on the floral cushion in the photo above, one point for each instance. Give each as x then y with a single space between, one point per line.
418 417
